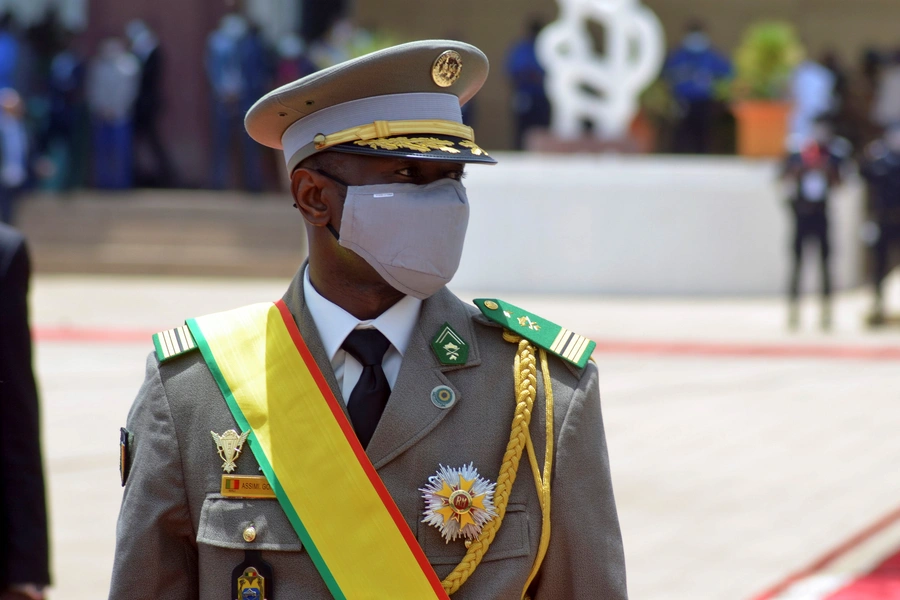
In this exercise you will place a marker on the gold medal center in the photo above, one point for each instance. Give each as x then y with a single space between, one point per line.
461 502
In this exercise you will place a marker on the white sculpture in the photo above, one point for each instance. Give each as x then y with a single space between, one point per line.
633 57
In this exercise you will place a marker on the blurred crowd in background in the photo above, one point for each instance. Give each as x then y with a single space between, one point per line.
89 117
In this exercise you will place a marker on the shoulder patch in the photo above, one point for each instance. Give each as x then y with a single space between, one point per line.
556 340
173 342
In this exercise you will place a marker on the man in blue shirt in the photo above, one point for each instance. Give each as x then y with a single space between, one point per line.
530 104
692 71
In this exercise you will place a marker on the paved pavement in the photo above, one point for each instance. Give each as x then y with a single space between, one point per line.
740 452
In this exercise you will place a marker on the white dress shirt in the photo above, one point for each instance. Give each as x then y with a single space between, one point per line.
335 324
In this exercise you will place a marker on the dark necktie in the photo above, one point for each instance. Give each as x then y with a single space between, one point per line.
369 397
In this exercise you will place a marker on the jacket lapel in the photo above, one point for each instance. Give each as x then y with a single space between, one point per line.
295 301
410 414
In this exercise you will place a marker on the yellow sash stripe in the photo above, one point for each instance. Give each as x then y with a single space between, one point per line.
306 447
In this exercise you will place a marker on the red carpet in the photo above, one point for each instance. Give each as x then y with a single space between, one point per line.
865 567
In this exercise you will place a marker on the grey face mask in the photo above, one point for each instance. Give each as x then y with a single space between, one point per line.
411 234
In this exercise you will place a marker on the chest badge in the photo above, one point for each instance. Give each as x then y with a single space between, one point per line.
458 502
251 585
229 445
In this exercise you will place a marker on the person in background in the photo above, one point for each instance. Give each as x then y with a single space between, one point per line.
147 108
24 547
812 93
813 170
225 74
886 105
66 94
693 71
336 45
113 83
257 71
293 63
882 172
529 103
10 50
840 95
14 153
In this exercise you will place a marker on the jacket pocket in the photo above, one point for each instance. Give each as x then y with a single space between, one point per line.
223 522
512 540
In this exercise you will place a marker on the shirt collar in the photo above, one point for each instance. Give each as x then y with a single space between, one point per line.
335 324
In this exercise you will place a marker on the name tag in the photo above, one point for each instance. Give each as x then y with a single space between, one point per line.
246 486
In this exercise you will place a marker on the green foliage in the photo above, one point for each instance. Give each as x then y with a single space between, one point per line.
658 101
764 61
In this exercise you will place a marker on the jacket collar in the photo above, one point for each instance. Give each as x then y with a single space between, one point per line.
410 413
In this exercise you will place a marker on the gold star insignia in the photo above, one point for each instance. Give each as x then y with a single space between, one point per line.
527 322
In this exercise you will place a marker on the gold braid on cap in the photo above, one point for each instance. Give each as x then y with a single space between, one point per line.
382 129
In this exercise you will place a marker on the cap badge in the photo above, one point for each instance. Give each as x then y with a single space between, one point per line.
446 68
229 445
458 502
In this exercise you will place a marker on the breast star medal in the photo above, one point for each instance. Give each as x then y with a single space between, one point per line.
458 502
229 445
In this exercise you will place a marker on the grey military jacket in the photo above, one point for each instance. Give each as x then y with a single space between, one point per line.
178 538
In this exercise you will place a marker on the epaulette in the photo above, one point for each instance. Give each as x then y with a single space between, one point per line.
173 342
556 340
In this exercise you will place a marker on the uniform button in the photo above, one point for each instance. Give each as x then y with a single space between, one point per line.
491 305
250 533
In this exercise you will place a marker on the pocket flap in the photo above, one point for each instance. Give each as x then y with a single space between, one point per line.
512 540
223 522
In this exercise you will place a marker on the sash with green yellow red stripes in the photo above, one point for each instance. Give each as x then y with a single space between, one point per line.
306 447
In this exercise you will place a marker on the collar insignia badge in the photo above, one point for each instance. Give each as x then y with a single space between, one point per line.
458 502
229 445
449 347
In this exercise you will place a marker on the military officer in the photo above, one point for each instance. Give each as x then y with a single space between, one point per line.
373 436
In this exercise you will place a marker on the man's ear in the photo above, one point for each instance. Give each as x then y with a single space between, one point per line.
308 188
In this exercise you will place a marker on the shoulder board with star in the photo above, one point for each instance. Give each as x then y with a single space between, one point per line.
556 340
173 342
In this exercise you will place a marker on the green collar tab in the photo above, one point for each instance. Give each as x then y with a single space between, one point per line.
449 347
173 342
557 340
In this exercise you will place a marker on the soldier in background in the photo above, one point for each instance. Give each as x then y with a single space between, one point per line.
530 104
882 172
147 109
813 169
113 83
692 71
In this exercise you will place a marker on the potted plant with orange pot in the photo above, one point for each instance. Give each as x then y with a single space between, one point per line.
760 90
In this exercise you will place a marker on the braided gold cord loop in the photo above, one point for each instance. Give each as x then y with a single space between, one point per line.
542 482
525 376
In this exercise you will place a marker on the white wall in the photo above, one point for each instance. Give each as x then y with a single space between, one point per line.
640 225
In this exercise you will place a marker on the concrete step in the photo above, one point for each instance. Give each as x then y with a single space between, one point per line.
171 232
